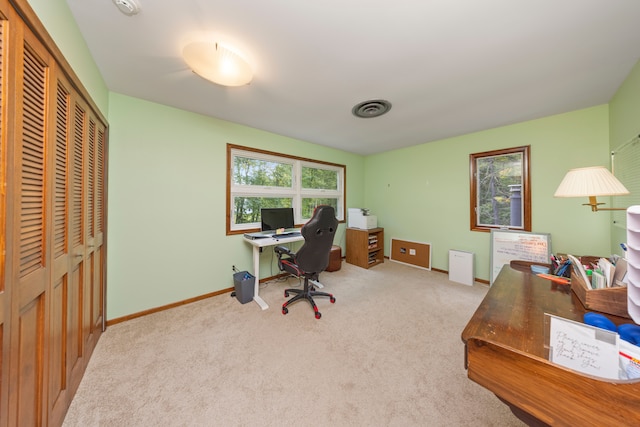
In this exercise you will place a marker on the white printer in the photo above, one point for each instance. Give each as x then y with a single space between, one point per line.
360 218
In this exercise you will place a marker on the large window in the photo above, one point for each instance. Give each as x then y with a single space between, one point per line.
259 179
500 189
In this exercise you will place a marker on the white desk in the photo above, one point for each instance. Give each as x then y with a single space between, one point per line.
262 243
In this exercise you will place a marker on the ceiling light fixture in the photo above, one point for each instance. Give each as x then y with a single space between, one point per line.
128 7
591 182
217 64
372 108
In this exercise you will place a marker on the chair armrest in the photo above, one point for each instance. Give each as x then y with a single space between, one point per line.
282 250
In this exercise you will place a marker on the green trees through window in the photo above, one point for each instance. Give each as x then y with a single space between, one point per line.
259 179
500 196
258 173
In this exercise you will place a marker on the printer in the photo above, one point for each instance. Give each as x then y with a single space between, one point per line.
360 218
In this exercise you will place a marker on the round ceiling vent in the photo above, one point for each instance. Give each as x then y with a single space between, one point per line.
372 108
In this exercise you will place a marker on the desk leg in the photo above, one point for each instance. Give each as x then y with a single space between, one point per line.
256 272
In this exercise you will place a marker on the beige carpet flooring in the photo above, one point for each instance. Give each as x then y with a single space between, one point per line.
387 353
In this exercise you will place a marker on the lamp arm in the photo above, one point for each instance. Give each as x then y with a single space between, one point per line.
594 206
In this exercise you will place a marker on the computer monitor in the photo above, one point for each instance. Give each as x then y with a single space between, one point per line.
276 218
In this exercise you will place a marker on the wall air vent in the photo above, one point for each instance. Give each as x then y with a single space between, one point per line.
372 108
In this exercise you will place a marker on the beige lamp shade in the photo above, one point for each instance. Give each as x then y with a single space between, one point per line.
591 182
217 64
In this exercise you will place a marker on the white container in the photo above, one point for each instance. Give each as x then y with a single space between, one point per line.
461 267
633 218
633 258
358 220
633 252
364 222
633 274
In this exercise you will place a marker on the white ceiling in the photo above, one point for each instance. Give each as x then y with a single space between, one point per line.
449 67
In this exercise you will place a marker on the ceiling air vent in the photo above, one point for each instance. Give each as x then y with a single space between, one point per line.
372 108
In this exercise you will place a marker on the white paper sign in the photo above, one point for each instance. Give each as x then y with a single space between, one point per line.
583 348
509 245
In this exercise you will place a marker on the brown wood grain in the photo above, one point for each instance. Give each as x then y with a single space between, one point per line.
358 250
505 353
53 156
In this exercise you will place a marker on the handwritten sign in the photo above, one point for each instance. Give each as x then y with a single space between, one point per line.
508 245
583 348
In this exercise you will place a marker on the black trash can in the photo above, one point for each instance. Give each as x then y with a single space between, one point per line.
244 286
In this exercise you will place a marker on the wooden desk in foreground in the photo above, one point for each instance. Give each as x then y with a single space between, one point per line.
505 353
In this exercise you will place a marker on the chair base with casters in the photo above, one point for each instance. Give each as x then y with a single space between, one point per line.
307 293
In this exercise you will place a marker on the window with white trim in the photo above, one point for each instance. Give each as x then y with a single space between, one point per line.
259 179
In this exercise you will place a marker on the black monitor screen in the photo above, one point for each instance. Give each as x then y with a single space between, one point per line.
275 218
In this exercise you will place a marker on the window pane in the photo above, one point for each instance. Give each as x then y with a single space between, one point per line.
499 178
309 204
248 171
259 179
246 210
500 195
324 179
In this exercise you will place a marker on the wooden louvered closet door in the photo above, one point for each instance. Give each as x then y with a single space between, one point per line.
5 290
52 250
30 269
60 301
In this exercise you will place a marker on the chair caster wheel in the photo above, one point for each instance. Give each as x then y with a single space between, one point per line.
318 315
333 300
285 310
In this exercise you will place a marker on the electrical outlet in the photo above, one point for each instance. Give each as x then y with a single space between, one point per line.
412 251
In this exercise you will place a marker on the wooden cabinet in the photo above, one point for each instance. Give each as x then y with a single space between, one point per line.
365 248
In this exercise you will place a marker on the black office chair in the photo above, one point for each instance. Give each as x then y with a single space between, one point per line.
312 257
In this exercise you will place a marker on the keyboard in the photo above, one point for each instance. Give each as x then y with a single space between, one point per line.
254 236
288 234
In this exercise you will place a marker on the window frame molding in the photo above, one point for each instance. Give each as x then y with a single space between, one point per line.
525 193
297 193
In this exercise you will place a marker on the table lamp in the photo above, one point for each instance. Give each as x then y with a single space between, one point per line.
591 182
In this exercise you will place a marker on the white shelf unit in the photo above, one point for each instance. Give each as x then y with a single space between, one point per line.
633 262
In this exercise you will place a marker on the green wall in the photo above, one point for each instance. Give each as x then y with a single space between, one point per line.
624 124
57 18
167 189
421 193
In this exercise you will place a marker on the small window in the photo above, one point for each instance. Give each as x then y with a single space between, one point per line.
500 190
259 179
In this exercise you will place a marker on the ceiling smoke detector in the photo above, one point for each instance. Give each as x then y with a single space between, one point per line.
128 7
372 108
